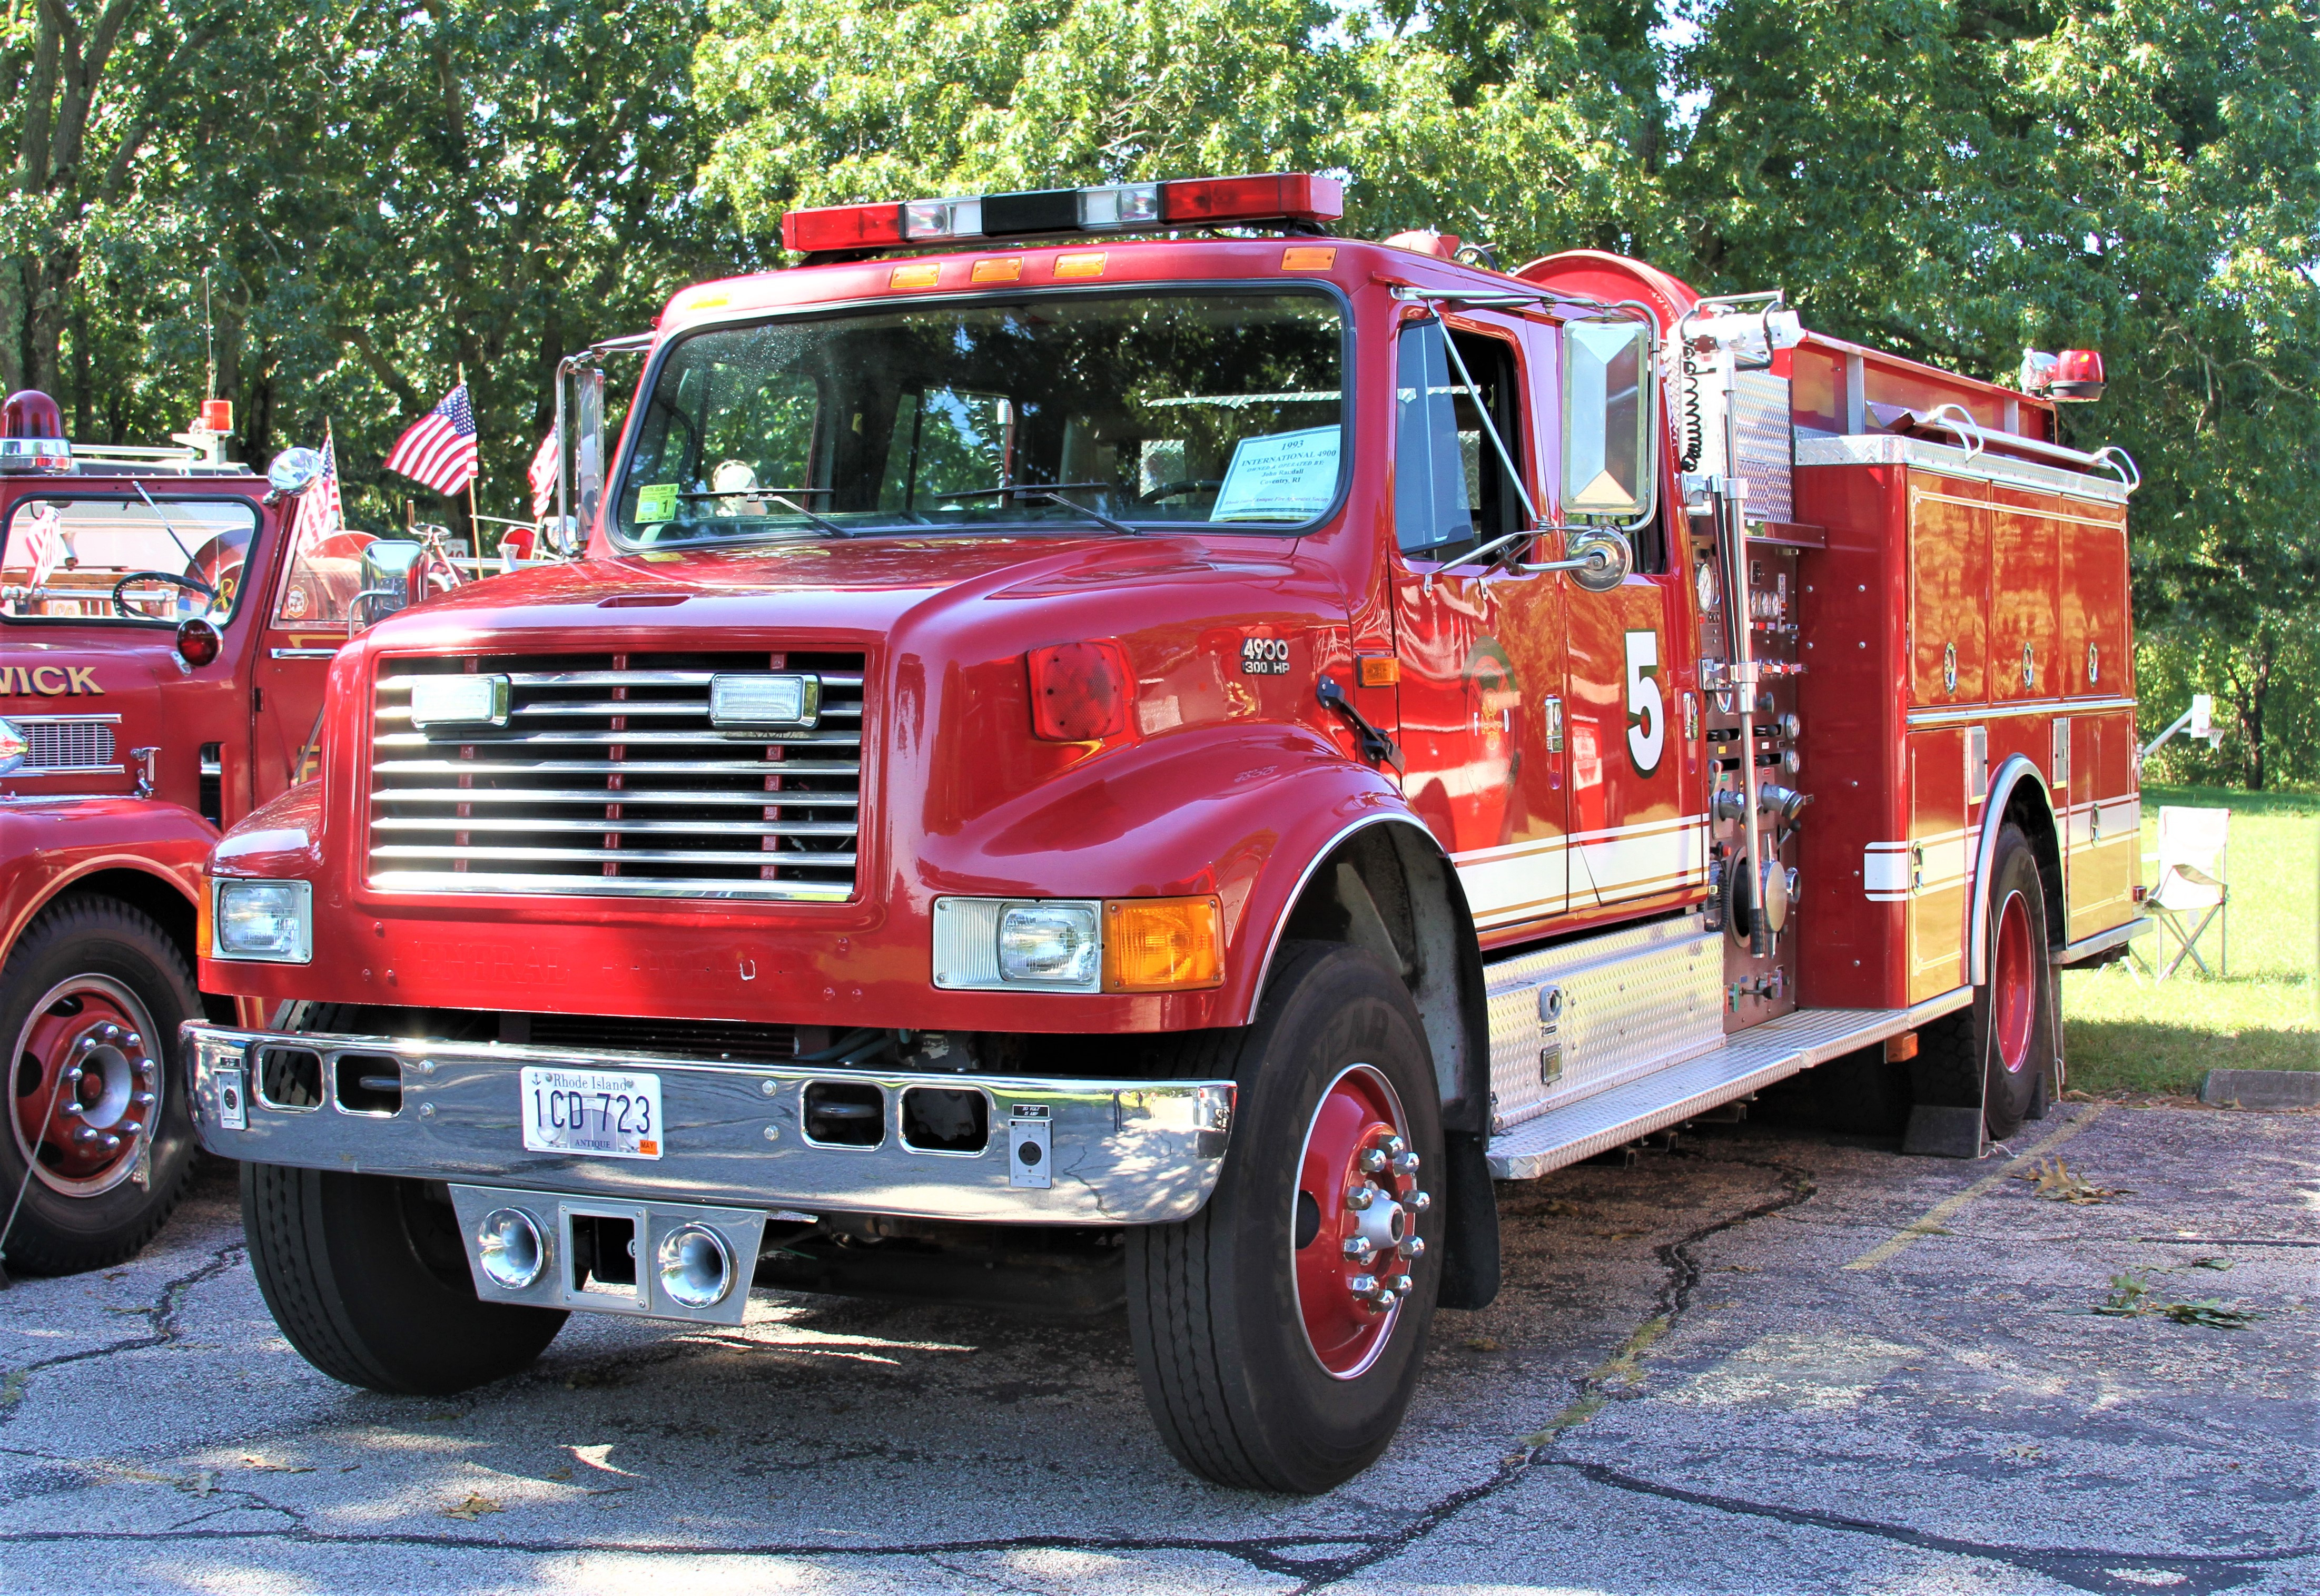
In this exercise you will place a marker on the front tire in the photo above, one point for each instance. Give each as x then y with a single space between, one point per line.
1280 1332
100 1140
368 1277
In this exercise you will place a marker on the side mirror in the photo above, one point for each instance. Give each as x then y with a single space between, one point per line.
1599 558
387 567
292 472
1609 420
588 436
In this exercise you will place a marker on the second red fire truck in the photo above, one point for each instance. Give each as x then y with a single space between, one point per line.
1109 744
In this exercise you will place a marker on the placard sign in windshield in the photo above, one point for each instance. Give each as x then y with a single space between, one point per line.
1288 476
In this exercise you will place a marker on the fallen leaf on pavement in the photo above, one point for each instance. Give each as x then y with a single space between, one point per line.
2057 1183
474 1508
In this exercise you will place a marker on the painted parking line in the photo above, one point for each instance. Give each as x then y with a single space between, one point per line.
1930 1222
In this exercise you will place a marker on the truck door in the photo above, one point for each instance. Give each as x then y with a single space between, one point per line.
1638 827
305 623
1480 644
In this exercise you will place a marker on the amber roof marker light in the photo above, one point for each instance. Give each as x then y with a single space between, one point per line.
1295 202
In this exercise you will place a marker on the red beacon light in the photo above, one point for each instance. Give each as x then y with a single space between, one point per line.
33 434
2072 376
1297 200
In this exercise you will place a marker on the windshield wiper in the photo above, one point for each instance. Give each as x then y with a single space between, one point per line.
1097 516
794 508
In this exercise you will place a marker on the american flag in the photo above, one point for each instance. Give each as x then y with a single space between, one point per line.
439 449
36 541
543 477
320 512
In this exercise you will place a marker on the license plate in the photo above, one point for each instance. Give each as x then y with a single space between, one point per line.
609 1113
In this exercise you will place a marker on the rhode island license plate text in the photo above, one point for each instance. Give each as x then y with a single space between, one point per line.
608 1113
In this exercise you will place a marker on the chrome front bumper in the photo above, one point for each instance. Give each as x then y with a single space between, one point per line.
1107 1152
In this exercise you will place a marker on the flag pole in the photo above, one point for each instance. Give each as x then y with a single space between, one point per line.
475 521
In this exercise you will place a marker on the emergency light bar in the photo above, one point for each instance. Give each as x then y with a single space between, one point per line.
1295 198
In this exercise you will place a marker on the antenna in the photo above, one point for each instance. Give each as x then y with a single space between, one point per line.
209 335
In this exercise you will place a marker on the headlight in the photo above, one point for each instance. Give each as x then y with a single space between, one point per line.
1041 945
1050 943
272 921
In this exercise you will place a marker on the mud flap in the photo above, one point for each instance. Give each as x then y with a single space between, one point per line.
1470 1236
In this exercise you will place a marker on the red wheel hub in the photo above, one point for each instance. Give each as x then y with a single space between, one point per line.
86 1086
2014 985
1356 1224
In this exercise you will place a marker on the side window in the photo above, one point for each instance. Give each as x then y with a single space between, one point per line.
1451 489
325 575
1430 513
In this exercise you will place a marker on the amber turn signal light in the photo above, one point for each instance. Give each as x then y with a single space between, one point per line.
1163 944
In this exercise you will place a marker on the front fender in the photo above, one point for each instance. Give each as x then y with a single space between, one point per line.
46 847
1245 811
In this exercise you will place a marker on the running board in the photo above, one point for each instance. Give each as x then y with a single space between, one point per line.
1748 1061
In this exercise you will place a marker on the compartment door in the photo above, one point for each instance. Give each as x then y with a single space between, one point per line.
1939 859
1949 590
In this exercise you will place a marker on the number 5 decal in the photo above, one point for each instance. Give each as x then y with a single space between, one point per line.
1646 709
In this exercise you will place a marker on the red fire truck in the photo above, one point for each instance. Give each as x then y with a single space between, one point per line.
162 661
1111 744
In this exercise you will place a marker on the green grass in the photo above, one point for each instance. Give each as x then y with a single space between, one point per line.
2127 1033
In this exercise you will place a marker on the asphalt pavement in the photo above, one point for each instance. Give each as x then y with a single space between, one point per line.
1770 1361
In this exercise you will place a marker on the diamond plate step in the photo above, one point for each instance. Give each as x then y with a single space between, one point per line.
1749 1061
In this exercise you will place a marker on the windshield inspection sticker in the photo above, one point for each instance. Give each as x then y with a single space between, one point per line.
656 501
1288 476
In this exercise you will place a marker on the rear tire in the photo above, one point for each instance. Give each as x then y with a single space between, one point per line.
1999 1051
368 1277
1264 1364
90 1002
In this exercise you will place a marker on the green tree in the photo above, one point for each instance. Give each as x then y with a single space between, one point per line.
1962 182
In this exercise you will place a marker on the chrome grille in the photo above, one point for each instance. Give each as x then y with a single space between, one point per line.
609 781
78 744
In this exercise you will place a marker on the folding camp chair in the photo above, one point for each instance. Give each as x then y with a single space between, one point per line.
2194 887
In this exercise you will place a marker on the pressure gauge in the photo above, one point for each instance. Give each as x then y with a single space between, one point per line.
1711 591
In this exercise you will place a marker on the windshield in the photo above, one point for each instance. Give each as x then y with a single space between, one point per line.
1160 410
124 559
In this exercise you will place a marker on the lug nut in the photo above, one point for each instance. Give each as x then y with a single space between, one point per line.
1405 1164
84 1135
1383 1301
143 1100
1418 1202
112 1142
1360 1198
1358 1250
1400 1285
131 1042
1372 1161
1393 1147
110 1033
71 1107
1411 1247
144 1069
87 1044
1362 1285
